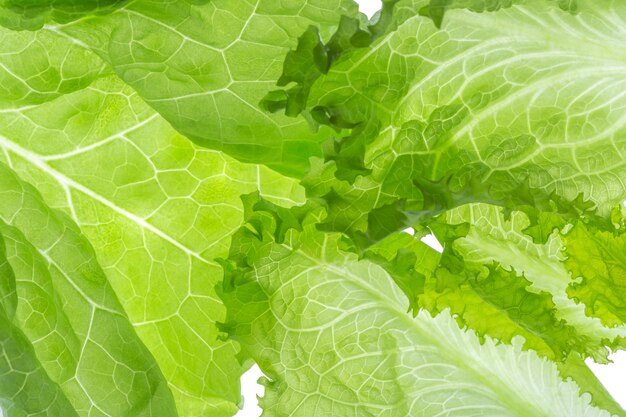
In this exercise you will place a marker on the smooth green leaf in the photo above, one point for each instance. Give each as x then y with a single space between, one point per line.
70 315
33 14
205 66
25 388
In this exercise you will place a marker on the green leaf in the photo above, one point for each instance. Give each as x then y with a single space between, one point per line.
437 8
33 14
333 336
576 369
494 301
156 208
500 304
408 261
499 127
312 58
69 317
205 66
8 296
492 238
25 388
597 261
516 107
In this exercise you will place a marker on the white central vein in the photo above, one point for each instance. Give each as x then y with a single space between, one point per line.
65 181
119 135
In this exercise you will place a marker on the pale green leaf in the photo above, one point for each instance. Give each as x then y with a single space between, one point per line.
334 338
519 107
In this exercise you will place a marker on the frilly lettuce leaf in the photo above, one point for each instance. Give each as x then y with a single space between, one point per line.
333 336
596 260
497 125
491 238
517 108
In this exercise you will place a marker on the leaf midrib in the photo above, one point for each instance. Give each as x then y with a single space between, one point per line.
411 323
65 181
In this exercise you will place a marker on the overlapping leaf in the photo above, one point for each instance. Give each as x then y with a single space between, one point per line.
517 107
33 14
156 208
492 238
67 320
434 105
205 66
334 338
26 389
596 259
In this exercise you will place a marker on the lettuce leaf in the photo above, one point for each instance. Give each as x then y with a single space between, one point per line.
67 313
492 238
156 208
516 108
597 257
204 66
174 208
33 14
332 335
22 372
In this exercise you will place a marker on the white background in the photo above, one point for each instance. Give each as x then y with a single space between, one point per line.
613 376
